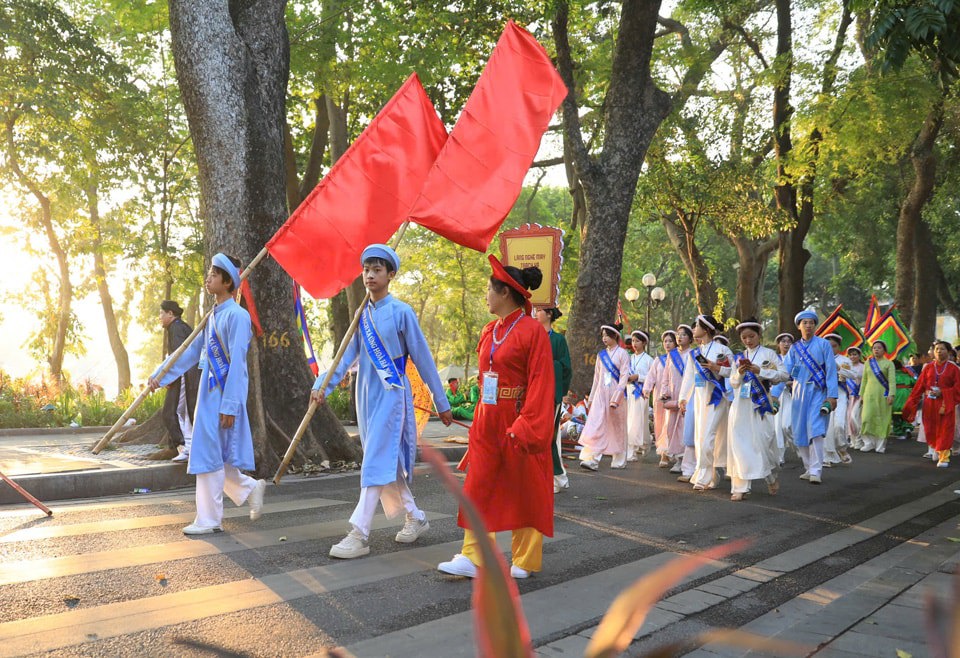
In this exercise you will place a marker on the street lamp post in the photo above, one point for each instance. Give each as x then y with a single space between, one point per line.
655 295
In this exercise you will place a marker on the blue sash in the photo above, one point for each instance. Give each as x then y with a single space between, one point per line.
913 371
677 361
637 386
716 393
880 378
817 374
758 394
218 360
608 364
388 369
663 360
852 389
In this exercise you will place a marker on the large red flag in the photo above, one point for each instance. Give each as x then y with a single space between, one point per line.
479 173
364 197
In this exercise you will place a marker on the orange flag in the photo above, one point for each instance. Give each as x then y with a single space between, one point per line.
422 398
364 197
479 173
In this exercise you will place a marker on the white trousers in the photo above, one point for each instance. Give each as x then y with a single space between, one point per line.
743 486
210 489
395 497
873 443
689 464
812 456
619 460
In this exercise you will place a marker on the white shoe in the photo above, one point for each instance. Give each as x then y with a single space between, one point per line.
412 530
351 546
633 458
590 466
183 455
943 464
556 488
677 467
194 529
561 481
460 565
255 499
805 476
517 573
815 479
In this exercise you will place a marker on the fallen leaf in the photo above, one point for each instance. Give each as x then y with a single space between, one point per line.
903 654
284 538
721 538
680 541
161 576
601 497
954 539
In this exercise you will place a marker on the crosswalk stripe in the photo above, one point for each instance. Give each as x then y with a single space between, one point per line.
30 570
137 523
50 632
549 611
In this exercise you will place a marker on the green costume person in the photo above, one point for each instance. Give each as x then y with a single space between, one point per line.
562 374
906 379
877 392
461 408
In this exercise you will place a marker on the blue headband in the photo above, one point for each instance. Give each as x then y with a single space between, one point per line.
804 315
221 261
381 251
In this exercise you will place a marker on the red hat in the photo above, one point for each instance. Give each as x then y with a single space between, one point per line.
500 274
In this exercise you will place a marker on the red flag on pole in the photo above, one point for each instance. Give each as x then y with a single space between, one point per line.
364 197
479 173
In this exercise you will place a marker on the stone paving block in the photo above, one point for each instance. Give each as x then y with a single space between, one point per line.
572 646
715 651
729 586
656 620
877 646
690 602
830 652
758 574
896 621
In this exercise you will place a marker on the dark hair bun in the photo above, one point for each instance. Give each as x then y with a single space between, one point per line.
618 325
531 277
752 319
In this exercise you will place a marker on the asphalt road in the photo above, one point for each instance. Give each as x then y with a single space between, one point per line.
124 555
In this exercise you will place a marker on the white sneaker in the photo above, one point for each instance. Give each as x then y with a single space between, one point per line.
633 458
183 455
351 546
805 476
815 479
561 481
255 499
411 530
556 488
677 467
517 573
590 466
460 565
194 529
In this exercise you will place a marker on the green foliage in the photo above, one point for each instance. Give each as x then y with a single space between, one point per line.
26 404
930 28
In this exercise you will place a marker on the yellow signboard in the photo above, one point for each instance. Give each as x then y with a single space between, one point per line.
540 246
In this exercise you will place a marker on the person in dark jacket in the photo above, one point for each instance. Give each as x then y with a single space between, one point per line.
181 400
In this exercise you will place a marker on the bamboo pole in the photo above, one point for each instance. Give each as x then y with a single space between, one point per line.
105 441
23 492
347 337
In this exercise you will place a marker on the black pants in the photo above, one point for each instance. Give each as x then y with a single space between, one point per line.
169 413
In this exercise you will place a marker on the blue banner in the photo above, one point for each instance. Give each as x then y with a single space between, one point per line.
218 360
716 394
880 378
758 394
387 368
608 364
817 373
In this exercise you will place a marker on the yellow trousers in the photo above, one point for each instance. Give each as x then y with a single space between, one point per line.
526 546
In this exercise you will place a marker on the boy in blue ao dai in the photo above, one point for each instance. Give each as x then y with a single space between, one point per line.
813 368
222 443
388 334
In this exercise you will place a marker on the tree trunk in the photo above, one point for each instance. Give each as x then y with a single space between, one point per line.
634 109
925 169
924 325
55 358
752 256
682 237
232 63
106 301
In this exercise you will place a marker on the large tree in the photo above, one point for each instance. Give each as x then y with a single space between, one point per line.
232 62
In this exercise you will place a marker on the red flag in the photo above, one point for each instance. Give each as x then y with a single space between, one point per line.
364 197
873 315
246 292
479 173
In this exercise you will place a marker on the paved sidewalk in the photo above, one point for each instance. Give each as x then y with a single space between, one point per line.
58 464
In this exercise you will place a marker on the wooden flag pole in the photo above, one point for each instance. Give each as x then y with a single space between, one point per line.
23 492
347 337
105 441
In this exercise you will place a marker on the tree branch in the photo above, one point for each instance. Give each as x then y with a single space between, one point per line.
549 162
582 161
672 26
751 43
